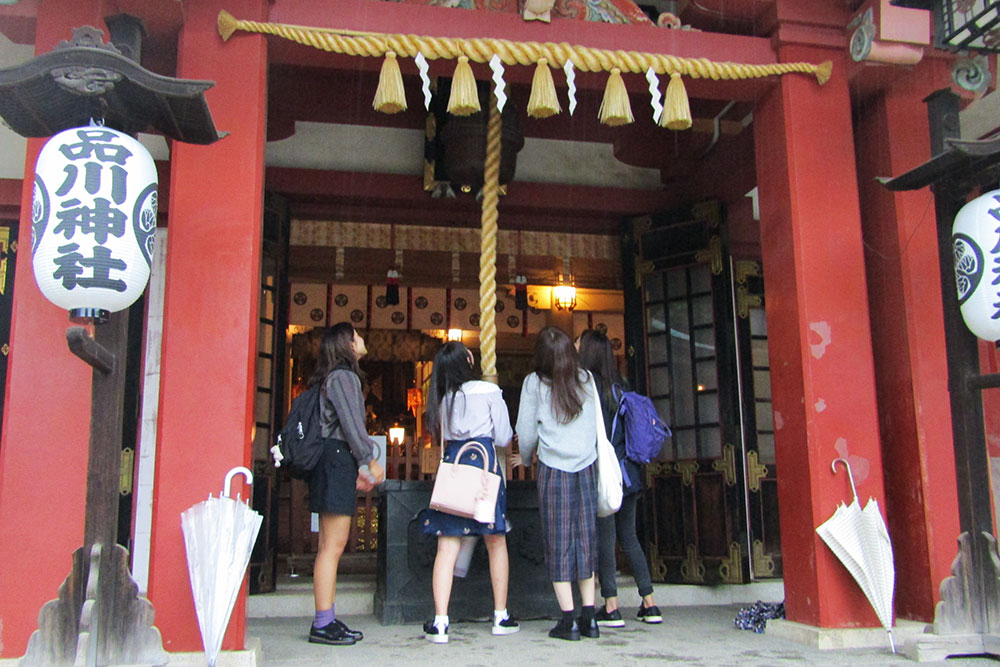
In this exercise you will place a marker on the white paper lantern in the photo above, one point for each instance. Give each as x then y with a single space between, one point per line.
975 238
93 215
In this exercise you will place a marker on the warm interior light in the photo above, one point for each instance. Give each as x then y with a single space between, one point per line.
455 334
564 297
397 434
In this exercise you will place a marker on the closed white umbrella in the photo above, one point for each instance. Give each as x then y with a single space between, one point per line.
219 534
859 538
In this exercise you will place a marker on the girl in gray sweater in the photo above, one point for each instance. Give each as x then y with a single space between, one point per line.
558 418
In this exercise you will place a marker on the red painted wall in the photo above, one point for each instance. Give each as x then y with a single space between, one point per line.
892 137
212 293
46 430
822 371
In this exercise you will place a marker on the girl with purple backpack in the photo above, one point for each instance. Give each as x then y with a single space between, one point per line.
596 356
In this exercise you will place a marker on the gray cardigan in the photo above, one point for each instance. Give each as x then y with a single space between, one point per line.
567 447
342 413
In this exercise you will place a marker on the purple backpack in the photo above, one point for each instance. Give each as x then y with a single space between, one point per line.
644 430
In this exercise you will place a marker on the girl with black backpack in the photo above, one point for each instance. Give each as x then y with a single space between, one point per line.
333 483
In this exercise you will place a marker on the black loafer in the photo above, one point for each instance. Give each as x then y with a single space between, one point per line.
569 632
332 634
588 628
357 634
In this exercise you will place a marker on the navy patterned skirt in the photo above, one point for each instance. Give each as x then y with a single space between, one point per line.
442 524
568 506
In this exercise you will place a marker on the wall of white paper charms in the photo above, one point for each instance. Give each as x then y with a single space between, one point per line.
429 309
349 303
385 316
976 242
307 306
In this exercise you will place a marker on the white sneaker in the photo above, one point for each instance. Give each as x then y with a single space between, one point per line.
436 633
506 626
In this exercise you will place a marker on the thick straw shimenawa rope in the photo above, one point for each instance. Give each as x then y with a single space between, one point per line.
488 246
480 50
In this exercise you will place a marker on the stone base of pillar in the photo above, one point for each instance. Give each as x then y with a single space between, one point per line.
823 639
251 656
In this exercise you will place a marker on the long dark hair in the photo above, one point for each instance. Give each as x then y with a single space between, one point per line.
557 365
451 370
596 356
335 350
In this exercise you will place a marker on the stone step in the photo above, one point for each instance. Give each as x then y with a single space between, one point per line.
356 596
293 597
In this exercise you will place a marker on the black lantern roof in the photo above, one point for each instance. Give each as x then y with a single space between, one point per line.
85 79
962 165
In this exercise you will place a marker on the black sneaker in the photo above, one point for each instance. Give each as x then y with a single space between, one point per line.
507 626
588 627
332 634
649 614
436 634
609 619
567 631
357 634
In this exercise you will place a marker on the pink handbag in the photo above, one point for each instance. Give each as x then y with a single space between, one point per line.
466 490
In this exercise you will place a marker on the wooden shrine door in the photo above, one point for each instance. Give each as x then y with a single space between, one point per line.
8 255
696 343
270 388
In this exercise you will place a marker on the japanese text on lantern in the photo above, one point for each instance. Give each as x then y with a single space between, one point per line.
995 213
102 163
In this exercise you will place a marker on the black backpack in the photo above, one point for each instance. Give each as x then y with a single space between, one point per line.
301 439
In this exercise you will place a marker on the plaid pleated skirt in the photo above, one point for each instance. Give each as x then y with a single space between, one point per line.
568 505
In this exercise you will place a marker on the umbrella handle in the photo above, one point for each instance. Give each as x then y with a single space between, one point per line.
238 470
850 476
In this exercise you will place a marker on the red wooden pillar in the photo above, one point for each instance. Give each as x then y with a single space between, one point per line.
908 340
211 297
822 373
46 430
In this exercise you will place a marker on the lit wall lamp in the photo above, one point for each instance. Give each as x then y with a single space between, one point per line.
397 434
564 295
455 335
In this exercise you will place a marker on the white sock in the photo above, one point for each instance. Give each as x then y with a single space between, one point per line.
499 615
441 621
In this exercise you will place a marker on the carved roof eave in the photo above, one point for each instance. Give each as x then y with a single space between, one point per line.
963 165
36 100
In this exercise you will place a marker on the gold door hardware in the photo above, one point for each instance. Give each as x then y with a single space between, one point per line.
727 464
687 469
125 471
755 471
712 255
693 568
730 569
763 565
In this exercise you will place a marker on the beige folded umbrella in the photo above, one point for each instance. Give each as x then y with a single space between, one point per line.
860 540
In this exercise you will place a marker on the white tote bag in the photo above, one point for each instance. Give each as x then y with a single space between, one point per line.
609 472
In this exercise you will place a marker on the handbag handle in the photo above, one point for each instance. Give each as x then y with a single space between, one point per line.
599 422
474 444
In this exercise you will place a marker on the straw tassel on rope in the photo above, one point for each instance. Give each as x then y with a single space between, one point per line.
676 109
390 96
464 98
615 107
543 101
